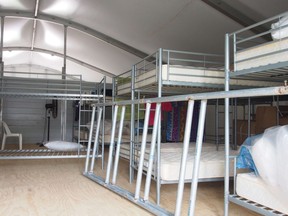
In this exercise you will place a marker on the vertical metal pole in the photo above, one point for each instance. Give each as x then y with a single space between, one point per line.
103 123
217 123
118 145
132 123
1 67
90 139
96 140
158 161
152 151
278 113
235 123
249 117
64 103
227 126
111 144
185 150
142 151
199 142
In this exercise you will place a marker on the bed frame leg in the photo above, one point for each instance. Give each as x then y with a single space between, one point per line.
199 142
142 152
115 171
184 157
90 139
96 141
111 147
152 152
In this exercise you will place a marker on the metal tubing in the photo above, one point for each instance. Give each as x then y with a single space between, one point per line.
199 142
189 119
243 93
111 144
217 123
90 138
142 152
2 41
64 103
103 122
249 117
132 134
152 151
227 126
63 119
1 68
96 141
118 146
158 179
235 122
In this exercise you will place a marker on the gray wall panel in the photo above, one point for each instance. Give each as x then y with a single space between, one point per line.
28 117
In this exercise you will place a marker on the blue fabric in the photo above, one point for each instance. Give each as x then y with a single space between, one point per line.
244 158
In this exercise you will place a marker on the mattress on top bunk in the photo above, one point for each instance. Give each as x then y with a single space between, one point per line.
182 74
268 53
253 188
188 76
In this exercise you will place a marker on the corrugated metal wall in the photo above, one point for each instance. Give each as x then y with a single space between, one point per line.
27 116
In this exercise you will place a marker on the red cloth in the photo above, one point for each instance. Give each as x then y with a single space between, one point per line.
166 107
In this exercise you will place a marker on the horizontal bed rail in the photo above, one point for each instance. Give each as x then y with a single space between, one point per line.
46 86
244 93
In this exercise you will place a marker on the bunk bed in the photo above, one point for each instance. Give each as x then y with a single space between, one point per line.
170 72
56 88
260 56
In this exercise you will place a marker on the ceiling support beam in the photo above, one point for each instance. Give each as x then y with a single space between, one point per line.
77 26
2 42
237 16
35 23
84 64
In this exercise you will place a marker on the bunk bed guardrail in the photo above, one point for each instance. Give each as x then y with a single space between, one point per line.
173 68
252 54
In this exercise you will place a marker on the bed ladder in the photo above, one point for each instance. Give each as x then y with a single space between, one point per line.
144 202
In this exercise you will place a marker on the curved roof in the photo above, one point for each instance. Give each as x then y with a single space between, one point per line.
106 37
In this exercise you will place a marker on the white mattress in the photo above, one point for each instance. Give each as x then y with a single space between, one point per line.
242 57
188 76
212 163
253 188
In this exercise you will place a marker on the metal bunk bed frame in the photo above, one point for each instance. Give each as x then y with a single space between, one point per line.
47 86
111 182
276 71
155 62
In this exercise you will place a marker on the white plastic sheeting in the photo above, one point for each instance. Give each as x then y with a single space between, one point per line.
270 154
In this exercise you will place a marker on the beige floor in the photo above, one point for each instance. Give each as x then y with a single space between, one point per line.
57 187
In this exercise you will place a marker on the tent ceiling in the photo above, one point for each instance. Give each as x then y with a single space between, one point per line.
105 36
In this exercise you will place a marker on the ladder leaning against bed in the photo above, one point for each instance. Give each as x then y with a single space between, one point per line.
111 182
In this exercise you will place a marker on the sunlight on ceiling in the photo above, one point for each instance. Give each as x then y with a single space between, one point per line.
62 7
15 4
12 34
52 36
